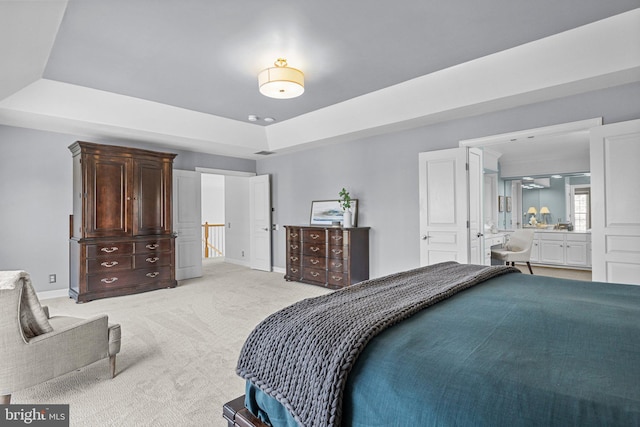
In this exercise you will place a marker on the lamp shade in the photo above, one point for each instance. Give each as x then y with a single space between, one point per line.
544 210
532 210
281 82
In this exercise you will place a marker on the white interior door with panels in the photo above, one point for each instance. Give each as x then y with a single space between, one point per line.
187 223
476 206
443 206
615 202
260 222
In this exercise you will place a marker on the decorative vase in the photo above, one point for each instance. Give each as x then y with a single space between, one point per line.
346 219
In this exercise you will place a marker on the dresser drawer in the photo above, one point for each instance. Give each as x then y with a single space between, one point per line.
158 245
317 236
117 248
109 263
338 264
314 249
337 279
295 247
337 251
295 259
151 260
294 234
314 262
338 237
294 272
314 275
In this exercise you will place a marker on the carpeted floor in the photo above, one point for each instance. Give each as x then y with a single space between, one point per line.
179 350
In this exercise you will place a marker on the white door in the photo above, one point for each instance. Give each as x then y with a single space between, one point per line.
443 206
476 209
187 223
615 202
260 222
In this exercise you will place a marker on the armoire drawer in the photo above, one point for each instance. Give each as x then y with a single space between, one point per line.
116 279
338 264
109 263
337 279
159 245
113 248
338 251
151 260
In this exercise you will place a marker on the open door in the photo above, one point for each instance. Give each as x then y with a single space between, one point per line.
476 206
260 222
615 202
187 224
443 206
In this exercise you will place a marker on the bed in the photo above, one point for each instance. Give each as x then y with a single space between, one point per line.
499 349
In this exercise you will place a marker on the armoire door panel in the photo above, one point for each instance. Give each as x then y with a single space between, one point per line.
109 202
150 214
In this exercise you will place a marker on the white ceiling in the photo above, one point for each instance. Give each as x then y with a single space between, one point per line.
183 73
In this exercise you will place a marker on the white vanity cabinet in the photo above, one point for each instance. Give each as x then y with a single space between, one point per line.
562 248
492 241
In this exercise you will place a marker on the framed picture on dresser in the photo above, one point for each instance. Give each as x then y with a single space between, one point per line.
329 213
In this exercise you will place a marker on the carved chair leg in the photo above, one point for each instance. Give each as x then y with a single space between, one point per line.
529 265
112 365
5 399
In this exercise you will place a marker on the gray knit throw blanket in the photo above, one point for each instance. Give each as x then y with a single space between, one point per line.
302 354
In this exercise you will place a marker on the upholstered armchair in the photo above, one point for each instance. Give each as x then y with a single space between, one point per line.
517 248
35 347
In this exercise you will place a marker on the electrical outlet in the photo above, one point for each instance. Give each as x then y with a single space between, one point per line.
52 278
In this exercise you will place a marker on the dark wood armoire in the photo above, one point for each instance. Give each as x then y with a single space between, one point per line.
121 229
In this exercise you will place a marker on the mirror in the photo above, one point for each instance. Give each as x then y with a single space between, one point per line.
537 168
556 193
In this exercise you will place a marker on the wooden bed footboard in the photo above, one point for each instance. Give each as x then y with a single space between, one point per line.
238 416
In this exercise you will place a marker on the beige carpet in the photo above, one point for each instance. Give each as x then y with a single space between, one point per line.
179 350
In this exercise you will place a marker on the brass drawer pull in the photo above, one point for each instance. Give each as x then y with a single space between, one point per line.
336 251
336 278
314 274
294 235
154 274
294 246
337 238
294 258
109 264
152 246
315 261
110 280
294 270
339 264
152 260
109 250
314 248
314 236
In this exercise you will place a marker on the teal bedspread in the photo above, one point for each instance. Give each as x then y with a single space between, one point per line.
517 350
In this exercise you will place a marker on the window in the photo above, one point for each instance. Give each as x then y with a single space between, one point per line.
581 208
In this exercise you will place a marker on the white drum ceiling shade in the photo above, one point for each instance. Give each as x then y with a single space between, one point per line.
281 82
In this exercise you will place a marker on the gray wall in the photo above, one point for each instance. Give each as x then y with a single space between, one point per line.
382 171
36 198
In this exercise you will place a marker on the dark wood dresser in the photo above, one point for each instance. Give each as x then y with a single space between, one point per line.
121 229
333 257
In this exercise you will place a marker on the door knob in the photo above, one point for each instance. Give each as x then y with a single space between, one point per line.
265 228
424 237
480 234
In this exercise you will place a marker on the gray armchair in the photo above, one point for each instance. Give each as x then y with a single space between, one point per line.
35 348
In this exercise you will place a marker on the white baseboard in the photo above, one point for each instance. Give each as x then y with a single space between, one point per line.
279 270
57 293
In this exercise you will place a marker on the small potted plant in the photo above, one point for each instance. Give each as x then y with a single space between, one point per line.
345 204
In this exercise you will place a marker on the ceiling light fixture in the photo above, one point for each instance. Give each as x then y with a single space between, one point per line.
252 118
281 82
